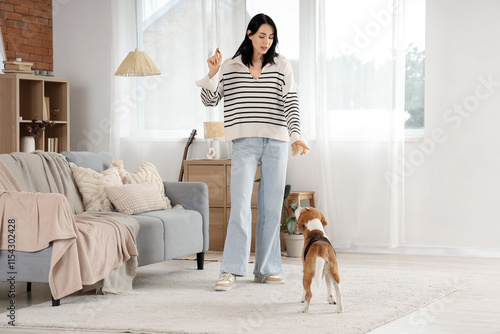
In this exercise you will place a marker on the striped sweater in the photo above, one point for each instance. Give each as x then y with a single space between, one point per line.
265 107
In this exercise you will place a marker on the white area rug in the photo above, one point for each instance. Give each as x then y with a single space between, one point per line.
185 302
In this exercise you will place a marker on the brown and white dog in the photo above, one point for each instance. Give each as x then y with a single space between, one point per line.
318 256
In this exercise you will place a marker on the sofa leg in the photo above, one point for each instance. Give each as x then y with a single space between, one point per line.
28 286
56 302
200 260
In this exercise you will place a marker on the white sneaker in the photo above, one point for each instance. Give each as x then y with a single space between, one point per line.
274 279
225 282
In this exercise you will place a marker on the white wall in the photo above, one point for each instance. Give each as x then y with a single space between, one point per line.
83 42
82 53
452 198
452 190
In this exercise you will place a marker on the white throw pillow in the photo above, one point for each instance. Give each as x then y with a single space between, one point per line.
146 172
135 198
91 185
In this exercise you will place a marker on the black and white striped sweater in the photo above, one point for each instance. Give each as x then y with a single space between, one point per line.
265 107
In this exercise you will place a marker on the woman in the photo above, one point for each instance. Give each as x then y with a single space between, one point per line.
260 116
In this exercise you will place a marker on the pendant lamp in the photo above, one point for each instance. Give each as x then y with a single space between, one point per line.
137 63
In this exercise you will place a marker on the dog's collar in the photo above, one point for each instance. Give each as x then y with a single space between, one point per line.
313 240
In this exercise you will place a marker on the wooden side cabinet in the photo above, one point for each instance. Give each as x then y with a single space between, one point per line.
217 175
24 97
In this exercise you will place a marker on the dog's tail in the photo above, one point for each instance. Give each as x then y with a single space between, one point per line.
320 267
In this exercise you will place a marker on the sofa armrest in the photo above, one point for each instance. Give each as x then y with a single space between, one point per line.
192 196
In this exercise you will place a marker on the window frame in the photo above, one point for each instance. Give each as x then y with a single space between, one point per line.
307 22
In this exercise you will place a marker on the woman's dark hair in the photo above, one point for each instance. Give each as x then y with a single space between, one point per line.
246 47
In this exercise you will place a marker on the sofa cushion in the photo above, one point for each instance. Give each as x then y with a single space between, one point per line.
35 266
135 198
92 184
146 172
150 243
98 161
183 231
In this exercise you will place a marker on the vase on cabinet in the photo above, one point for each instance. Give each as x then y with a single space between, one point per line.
27 144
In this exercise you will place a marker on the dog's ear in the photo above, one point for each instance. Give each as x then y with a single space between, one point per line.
323 220
300 224
300 221
299 217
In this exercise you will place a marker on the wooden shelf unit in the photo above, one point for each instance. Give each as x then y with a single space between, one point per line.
22 100
217 175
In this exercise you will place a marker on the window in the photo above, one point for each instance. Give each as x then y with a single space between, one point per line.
173 38
362 41
414 25
180 35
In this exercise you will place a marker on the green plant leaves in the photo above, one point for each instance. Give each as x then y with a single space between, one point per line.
287 191
289 225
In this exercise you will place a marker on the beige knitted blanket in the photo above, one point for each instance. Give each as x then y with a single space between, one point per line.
85 248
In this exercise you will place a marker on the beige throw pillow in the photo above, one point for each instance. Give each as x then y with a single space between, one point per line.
135 198
91 185
146 172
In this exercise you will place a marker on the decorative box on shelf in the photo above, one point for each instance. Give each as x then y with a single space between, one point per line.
17 66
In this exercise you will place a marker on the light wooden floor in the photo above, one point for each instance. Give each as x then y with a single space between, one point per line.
472 310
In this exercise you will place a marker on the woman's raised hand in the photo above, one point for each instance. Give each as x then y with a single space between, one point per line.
214 63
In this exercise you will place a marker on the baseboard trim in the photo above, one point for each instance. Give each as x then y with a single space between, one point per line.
423 250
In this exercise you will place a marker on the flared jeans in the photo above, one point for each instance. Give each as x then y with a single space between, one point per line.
273 156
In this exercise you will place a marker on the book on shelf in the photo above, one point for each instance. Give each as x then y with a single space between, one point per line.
15 66
46 109
53 144
17 62
18 71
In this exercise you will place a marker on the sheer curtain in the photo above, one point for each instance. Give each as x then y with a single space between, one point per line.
149 112
360 124
351 71
124 90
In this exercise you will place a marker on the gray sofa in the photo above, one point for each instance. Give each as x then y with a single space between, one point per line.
163 234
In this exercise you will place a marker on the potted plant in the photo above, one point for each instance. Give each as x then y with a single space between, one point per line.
33 129
294 240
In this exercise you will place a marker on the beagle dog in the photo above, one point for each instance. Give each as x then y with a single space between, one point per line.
318 258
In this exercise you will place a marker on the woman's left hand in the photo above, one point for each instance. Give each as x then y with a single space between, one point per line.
298 146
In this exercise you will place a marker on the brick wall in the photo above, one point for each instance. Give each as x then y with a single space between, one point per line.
27 31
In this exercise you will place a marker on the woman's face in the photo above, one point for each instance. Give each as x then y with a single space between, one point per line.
262 39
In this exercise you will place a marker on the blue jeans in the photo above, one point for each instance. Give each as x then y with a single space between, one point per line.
273 155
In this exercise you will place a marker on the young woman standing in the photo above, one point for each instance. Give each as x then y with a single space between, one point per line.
261 115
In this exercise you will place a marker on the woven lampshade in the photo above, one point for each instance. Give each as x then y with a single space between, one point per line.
137 64
213 130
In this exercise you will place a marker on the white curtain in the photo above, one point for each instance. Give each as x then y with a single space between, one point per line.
124 102
159 112
360 125
351 78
